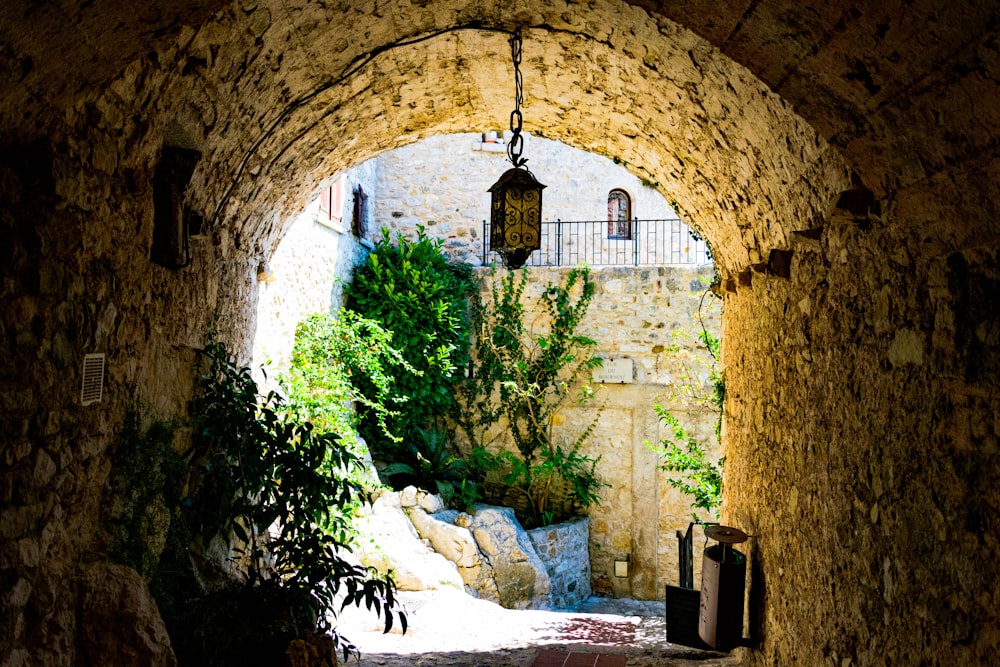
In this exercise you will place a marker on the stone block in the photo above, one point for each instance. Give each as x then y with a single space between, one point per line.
565 550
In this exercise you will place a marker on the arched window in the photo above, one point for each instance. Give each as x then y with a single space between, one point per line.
619 215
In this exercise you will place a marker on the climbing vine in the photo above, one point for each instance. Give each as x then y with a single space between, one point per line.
523 377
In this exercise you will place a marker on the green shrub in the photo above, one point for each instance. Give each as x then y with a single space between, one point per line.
272 489
412 290
330 353
433 467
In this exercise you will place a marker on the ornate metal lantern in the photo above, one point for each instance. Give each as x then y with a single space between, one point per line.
516 209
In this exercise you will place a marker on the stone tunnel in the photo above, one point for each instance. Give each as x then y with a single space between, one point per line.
839 157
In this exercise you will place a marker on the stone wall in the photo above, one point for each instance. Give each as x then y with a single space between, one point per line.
862 450
861 371
439 183
564 549
307 272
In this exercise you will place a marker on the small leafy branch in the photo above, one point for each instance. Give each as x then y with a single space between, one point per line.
680 452
522 379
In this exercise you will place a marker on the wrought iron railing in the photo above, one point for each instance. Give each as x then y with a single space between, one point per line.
603 243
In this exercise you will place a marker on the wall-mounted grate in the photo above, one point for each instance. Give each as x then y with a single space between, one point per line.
92 388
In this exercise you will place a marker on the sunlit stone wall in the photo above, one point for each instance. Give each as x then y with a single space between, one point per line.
442 183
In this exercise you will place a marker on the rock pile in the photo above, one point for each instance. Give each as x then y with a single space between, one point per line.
487 553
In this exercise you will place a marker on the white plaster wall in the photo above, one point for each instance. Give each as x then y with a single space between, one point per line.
307 272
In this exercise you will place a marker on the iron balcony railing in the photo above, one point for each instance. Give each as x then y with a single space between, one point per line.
603 243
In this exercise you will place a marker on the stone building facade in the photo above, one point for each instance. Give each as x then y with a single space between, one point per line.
840 157
439 184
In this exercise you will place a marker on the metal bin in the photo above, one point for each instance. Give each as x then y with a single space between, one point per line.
723 577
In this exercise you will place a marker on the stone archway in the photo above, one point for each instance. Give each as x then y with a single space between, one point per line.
860 421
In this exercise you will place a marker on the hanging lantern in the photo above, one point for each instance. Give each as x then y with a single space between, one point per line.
516 217
516 208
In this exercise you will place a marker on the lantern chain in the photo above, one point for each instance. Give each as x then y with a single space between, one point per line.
516 145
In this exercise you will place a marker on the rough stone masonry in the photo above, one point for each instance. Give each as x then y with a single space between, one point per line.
841 158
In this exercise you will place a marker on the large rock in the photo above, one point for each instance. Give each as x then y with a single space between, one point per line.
388 542
430 502
457 544
118 622
521 577
313 650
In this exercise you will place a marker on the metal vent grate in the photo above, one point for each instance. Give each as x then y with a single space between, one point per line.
92 388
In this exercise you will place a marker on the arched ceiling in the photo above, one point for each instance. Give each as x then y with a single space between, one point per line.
278 93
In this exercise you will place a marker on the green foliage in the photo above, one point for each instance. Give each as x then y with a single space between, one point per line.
432 466
412 290
558 485
330 352
530 374
272 489
523 378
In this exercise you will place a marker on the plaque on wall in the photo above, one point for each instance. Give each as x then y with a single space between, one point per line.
615 371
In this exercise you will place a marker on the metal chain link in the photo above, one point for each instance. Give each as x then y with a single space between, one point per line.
516 145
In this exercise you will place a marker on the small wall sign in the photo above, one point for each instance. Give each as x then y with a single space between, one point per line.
615 371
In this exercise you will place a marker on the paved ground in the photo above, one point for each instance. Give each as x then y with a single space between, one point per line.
453 629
